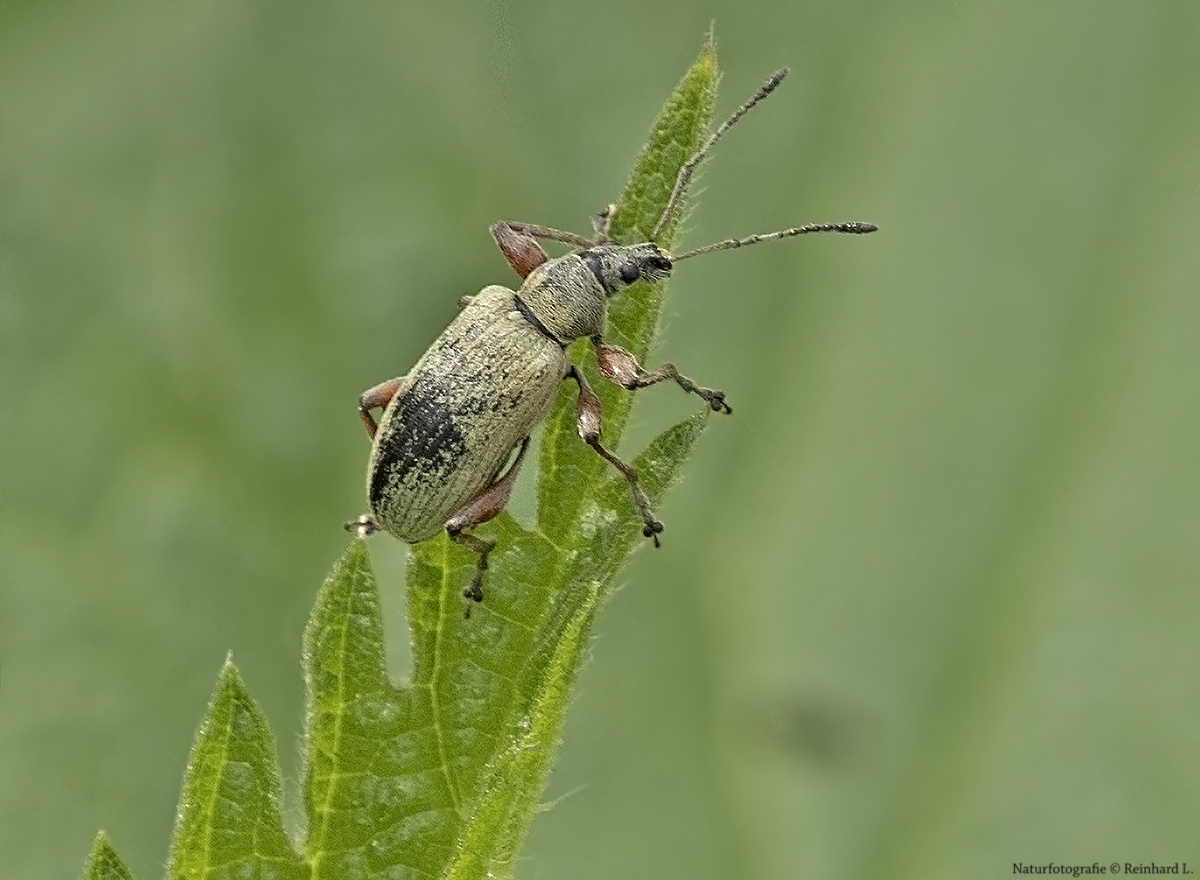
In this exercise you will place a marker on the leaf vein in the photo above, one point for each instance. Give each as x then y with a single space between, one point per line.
434 675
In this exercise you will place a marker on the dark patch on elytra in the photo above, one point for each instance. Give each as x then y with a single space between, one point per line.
424 438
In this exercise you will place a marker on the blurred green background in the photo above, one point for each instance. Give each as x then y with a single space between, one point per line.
928 602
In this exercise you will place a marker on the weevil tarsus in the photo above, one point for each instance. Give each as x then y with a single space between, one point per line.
602 222
473 591
363 526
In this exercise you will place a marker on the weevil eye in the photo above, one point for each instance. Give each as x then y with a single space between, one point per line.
629 273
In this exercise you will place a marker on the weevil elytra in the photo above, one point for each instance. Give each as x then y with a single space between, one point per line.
452 423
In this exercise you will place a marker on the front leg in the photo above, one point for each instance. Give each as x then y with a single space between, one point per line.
622 367
602 224
588 417
518 241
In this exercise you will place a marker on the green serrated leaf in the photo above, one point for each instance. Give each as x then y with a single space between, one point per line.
104 863
443 777
513 781
228 824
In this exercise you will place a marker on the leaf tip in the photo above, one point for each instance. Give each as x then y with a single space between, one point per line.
104 863
355 559
229 679
708 51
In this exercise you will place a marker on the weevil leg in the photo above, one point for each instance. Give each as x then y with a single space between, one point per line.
547 233
622 367
601 224
521 250
588 418
473 592
378 397
484 506
365 526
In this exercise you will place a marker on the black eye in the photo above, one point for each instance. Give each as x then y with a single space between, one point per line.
629 273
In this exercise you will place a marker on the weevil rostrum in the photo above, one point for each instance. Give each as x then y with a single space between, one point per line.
451 424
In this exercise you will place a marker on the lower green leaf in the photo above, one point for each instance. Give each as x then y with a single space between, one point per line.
104 863
229 823
442 778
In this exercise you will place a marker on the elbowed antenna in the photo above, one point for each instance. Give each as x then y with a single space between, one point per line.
731 243
690 166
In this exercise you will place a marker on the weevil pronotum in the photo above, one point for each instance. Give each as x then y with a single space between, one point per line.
449 427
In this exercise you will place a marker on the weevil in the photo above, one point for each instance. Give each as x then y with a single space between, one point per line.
450 426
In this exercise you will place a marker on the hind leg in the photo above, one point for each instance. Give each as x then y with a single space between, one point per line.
484 506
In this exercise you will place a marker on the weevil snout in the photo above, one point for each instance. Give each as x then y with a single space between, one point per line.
646 262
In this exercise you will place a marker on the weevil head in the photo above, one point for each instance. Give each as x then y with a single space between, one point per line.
617 266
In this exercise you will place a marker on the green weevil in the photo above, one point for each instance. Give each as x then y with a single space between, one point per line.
452 423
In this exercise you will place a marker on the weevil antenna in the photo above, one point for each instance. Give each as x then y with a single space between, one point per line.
731 243
690 166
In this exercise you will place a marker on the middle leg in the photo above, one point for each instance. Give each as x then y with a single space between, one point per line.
588 416
378 397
